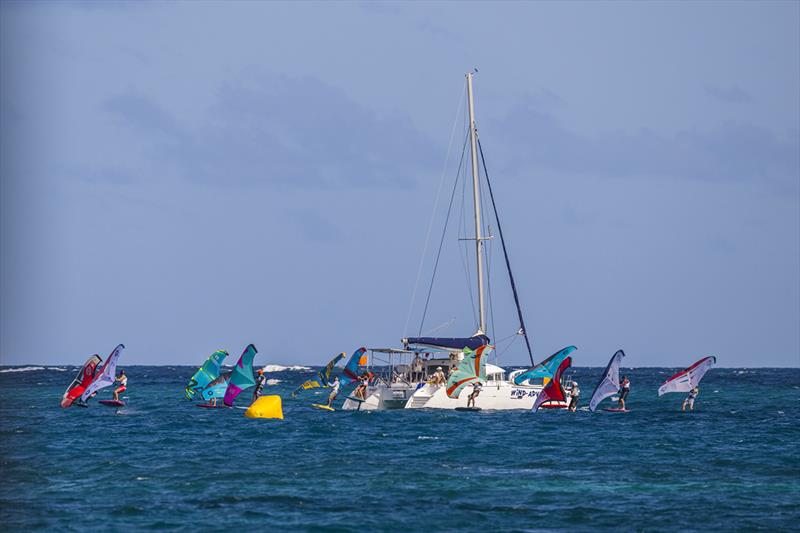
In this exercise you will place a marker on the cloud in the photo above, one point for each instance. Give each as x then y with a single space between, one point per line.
143 113
530 139
276 130
734 95
313 226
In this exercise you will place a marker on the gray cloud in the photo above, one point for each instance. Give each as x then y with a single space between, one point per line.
284 131
735 151
314 226
734 95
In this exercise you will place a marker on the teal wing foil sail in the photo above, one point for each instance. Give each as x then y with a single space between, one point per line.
545 369
323 376
609 383
472 368
242 376
208 372
216 389
106 376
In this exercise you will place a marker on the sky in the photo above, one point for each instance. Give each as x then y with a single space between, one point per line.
188 176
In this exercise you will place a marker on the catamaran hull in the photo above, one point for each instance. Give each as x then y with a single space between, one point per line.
494 396
381 397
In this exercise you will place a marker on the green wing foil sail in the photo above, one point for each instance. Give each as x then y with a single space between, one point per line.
207 373
471 369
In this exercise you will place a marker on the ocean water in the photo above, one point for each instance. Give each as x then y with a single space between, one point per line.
162 463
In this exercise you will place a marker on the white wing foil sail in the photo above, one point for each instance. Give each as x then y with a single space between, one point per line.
687 379
609 383
107 376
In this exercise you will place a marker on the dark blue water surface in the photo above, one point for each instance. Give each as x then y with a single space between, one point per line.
162 463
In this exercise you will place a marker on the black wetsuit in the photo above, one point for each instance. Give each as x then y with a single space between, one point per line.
260 380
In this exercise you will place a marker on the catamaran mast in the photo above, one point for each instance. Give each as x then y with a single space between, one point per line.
473 138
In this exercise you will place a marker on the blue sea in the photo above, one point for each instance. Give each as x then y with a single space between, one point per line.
163 464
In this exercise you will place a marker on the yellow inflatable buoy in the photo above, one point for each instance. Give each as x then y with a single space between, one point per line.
266 407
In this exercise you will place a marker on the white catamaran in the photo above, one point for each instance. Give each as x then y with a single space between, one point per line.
407 378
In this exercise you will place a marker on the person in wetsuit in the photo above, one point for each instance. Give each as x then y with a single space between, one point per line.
261 379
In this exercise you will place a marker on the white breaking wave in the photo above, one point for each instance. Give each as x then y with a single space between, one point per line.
273 381
280 368
32 368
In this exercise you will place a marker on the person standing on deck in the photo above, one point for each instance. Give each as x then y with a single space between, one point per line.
438 377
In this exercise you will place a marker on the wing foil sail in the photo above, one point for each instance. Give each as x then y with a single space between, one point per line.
207 373
689 378
105 377
81 381
359 358
609 383
545 369
472 368
553 391
242 376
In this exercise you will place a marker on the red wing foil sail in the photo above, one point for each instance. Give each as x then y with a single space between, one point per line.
553 390
81 381
689 378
